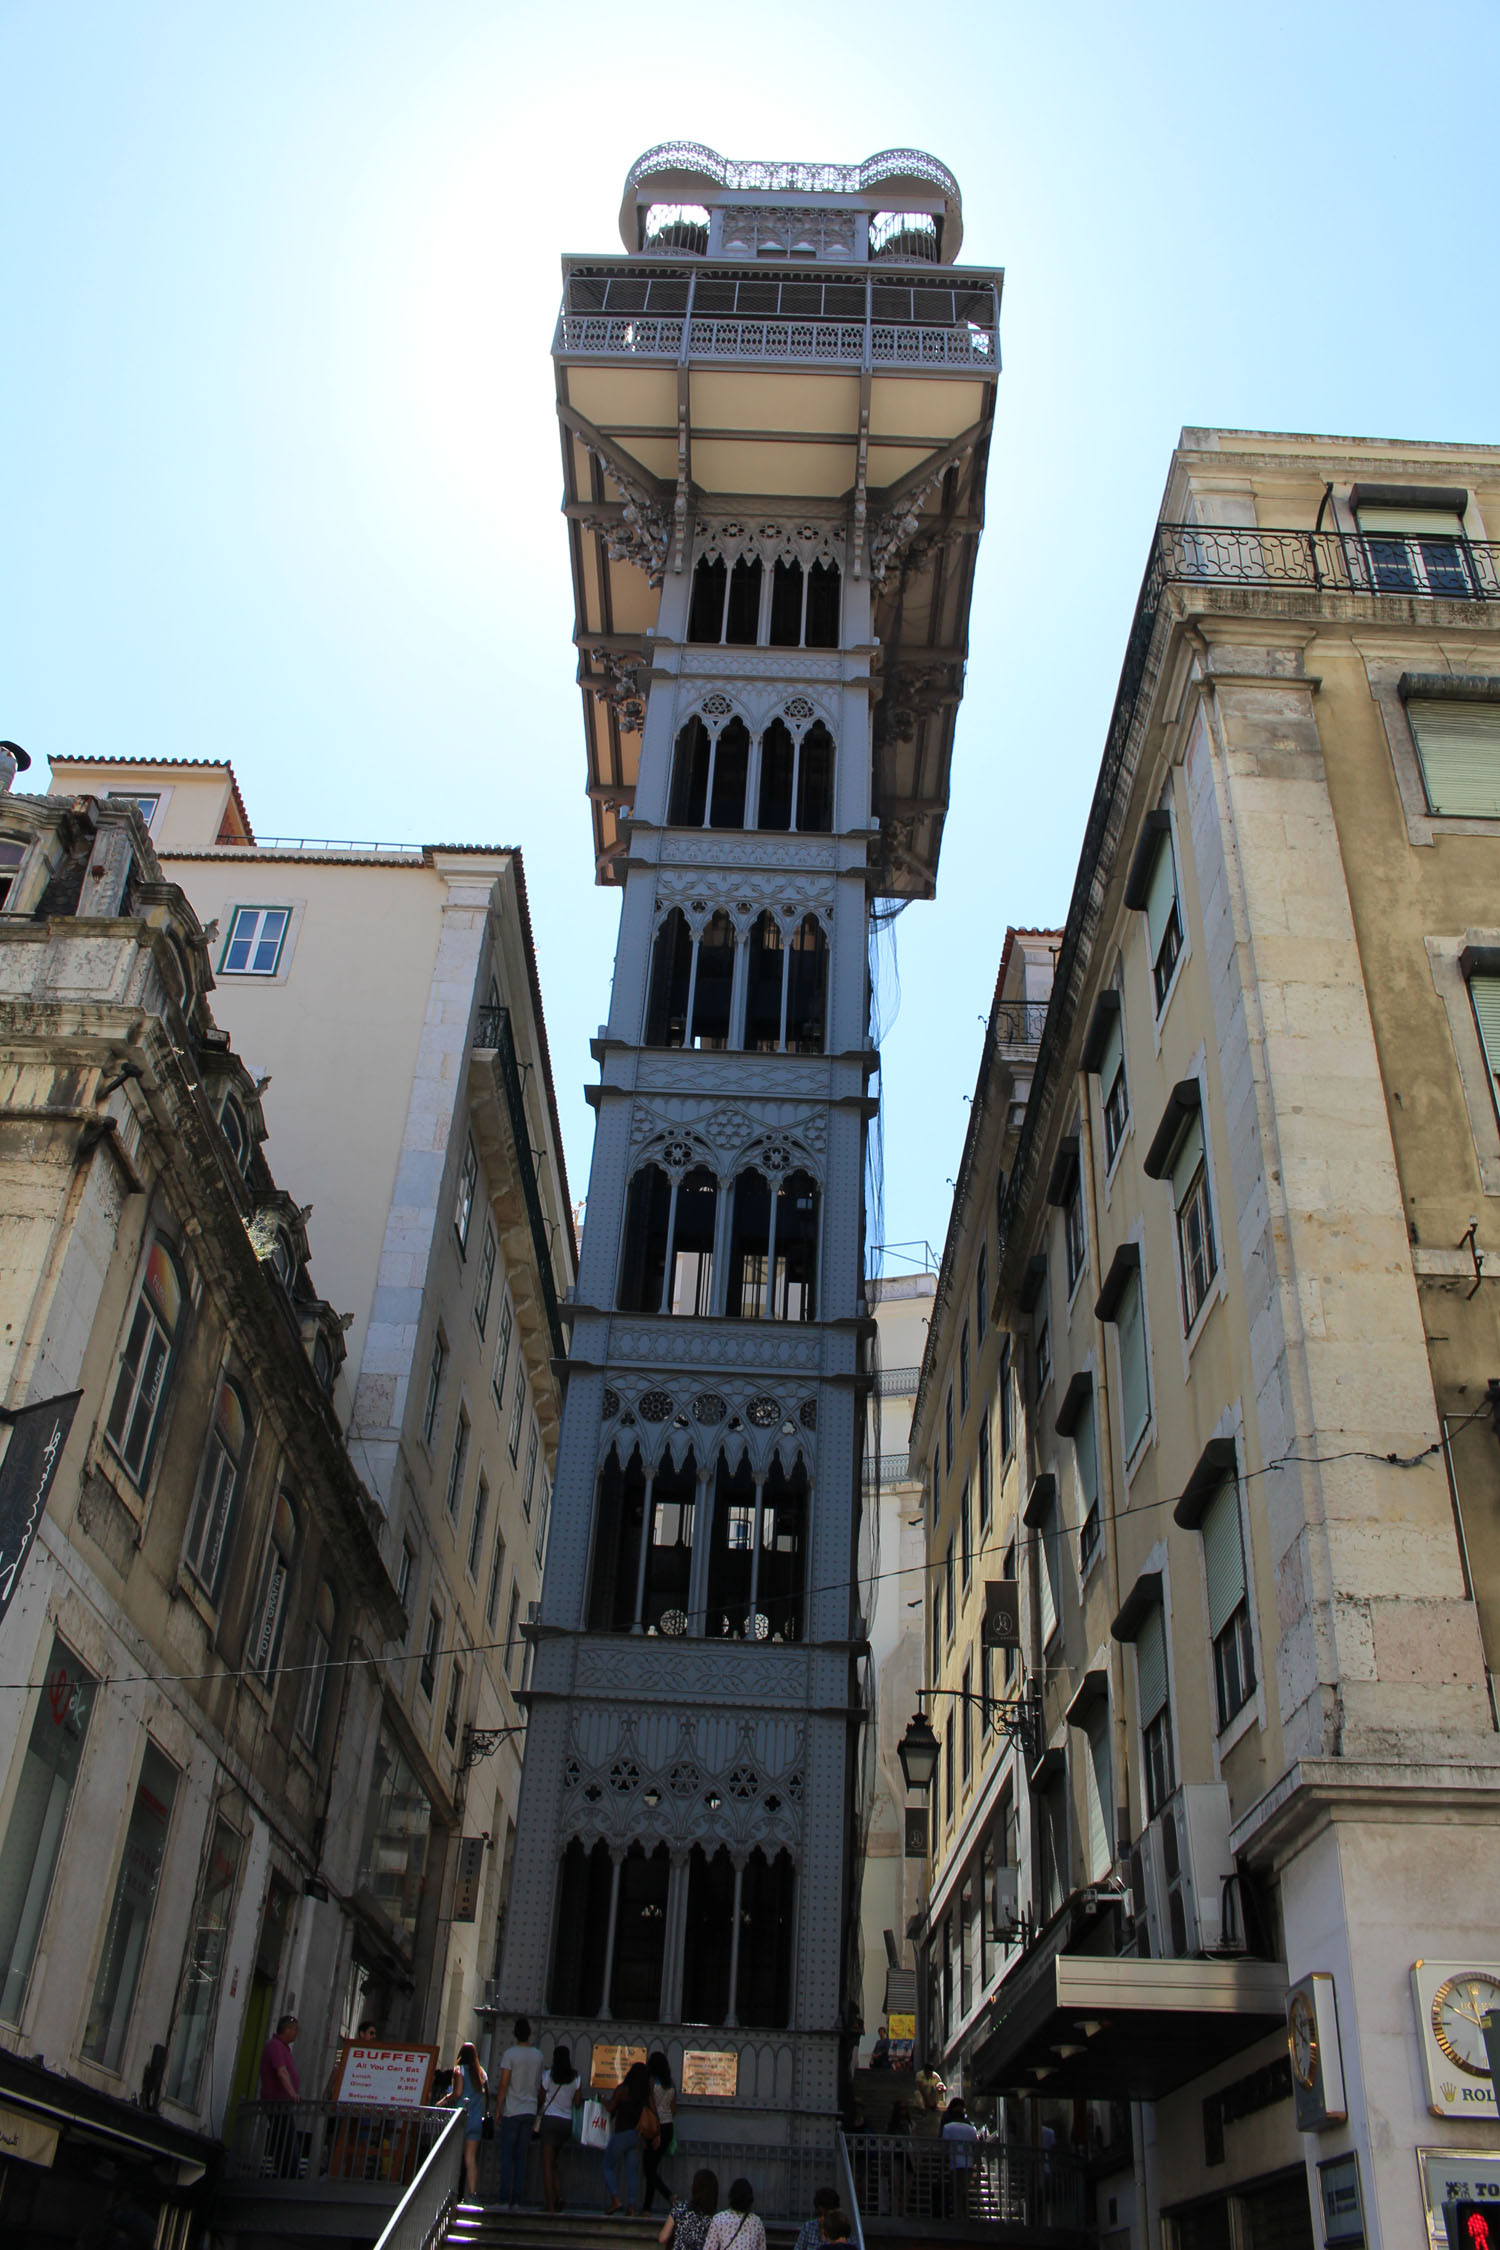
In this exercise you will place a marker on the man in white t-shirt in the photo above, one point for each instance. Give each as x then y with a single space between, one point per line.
516 2100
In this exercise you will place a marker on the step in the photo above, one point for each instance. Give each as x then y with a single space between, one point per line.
486 2227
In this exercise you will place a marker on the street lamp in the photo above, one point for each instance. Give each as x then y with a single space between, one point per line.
918 1752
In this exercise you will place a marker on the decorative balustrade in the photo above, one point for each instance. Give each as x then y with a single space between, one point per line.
756 174
1349 562
898 1382
1004 2183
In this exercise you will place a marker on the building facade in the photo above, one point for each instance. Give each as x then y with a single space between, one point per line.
1242 1266
189 1705
388 1000
775 412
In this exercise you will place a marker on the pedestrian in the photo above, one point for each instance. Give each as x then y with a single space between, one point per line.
930 2088
516 2099
469 2091
836 2226
959 2133
630 2097
688 2223
562 2091
280 2085
810 2236
739 2225
664 2106
880 2053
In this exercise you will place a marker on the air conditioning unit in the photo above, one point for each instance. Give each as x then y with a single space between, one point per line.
1185 1863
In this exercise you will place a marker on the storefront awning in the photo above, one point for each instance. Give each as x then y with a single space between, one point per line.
1106 2026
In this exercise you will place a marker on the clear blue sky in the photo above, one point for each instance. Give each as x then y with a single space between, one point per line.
279 478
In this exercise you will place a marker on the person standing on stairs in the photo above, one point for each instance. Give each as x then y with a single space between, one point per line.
469 2090
630 2097
516 2100
562 2091
664 2104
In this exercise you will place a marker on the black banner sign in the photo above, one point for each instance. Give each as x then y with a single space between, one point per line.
37 1436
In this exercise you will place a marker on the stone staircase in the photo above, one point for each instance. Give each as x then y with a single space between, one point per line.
474 2227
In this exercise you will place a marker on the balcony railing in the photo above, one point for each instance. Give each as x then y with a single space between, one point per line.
322 2150
1018 1023
898 1382
840 343
492 1031
1005 2183
889 1468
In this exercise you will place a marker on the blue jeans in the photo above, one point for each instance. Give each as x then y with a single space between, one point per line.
515 2139
622 2144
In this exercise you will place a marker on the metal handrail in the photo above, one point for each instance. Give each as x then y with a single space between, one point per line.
492 1030
851 2197
987 2182
421 2218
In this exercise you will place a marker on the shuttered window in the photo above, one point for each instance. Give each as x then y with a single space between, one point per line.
1112 1086
1135 1391
1097 1794
1151 1665
1161 896
1047 1573
1459 748
1484 991
1223 1556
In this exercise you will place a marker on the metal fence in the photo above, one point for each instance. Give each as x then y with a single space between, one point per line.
1000 2182
296 2148
783 2178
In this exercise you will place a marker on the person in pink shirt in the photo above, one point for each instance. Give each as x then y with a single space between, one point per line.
280 2084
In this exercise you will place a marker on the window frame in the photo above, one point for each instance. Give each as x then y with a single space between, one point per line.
484 1286
429 1664
465 1195
256 941
458 1465
273 1591
437 1368
220 1509
125 1402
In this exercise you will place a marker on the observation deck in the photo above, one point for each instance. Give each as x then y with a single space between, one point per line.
791 341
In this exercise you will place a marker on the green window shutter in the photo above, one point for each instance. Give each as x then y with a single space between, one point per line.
1151 1665
1086 1457
1135 1394
1047 1574
1162 892
1485 993
1187 1160
1223 1556
1097 1792
1459 746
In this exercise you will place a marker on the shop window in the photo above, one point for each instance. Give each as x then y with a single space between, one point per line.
755 1567
39 1817
147 1364
773 1253
580 1937
667 1263
129 1925
219 1480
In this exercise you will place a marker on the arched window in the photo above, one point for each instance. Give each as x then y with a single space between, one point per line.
671 983
709 775
317 1656
707 1936
218 1489
726 603
821 628
281 1261
804 606
773 1249
713 985
619 1514
640 1933
640 1580
786 987
236 1132
755 1565
729 770
796 779
815 781
146 1363
763 1982
667 1265
264 1645
778 756
580 1939
689 798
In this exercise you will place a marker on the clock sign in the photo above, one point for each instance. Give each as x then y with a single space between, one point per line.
1312 2037
1452 1999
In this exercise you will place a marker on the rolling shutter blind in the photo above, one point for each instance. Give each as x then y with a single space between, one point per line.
1485 992
1109 1060
1096 1790
1187 1160
1459 746
1086 1456
1411 523
1151 1665
1046 1578
1135 1403
1162 892
1223 1556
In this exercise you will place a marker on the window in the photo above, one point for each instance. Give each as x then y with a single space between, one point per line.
476 1528
773 1247
264 1645
667 1263
502 1352
950 1770
937 1622
796 779
129 1922
1151 888
1098 1797
1114 1091
208 1949
431 1648
1414 549
543 1506
937 1480
963 1369
948 1432
455 1700
236 1132
433 1399
1458 747
393 1851
985 1473
529 1480
1196 1256
145 801
1484 997
785 987
38 1818
497 1572
709 772
755 1568
486 1278
1043 1356
1122 1301
456 1467
11 856
318 1657
256 937
463 1201
745 605
1048 1573
1012 1656
950 1592
1228 1604
981 1294
1156 1720
1074 1241
1086 1477
966 1708
517 1413
404 1571
218 1488
512 1632
146 1364
1007 1403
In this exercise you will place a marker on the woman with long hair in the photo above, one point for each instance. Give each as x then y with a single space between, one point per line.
688 2223
630 2097
664 2103
470 2087
739 2225
562 2091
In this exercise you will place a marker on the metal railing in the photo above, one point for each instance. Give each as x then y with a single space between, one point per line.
897 1382
757 175
1003 2183
340 844
421 2217
850 2192
828 341
1018 1023
492 1030
292 2149
783 2178
889 1468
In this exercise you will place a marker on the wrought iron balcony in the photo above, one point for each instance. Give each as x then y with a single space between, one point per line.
1343 562
1018 1023
897 1382
492 1032
853 319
